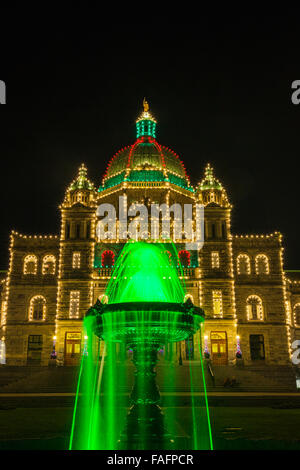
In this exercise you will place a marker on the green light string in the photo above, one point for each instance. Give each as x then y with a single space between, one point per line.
76 401
205 395
93 400
195 433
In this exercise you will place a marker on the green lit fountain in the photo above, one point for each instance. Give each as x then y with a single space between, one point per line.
144 309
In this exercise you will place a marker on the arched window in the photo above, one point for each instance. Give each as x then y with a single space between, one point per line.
254 308
297 314
30 264
108 259
185 258
37 308
243 264
103 299
262 264
49 264
188 296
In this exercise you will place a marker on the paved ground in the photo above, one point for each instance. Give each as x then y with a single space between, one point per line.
232 427
36 407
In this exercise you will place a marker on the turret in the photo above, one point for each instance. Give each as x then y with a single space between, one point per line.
216 254
77 244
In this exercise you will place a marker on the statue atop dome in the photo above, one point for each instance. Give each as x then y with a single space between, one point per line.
146 105
146 124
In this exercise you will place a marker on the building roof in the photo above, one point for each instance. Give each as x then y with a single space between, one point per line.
209 181
82 181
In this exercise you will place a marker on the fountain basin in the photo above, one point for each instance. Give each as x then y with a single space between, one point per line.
144 322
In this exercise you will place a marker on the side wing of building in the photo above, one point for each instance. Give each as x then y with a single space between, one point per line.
29 299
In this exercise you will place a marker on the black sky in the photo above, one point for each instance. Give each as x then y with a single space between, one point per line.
220 90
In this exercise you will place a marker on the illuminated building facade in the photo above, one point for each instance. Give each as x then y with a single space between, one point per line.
252 307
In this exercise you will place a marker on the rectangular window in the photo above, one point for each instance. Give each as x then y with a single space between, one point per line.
74 304
257 347
215 260
76 260
217 303
35 342
34 351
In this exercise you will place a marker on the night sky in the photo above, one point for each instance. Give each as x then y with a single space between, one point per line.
220 91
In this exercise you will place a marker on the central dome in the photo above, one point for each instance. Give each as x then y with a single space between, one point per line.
146 160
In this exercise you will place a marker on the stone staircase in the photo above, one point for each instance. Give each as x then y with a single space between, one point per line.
12 374
267 378
45 380
170 378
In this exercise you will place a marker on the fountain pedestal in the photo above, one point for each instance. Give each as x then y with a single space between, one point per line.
145 421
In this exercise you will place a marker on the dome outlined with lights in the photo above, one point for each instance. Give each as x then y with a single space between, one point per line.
146 160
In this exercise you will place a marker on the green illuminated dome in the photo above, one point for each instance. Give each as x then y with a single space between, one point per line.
146 160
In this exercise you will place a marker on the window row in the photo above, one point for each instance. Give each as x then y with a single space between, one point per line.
38 306
108 258
77 230
254 306
243 264
215 230
30 264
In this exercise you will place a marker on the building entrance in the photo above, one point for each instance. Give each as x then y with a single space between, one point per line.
72 349
219 347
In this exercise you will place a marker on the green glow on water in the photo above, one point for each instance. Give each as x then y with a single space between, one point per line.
144 272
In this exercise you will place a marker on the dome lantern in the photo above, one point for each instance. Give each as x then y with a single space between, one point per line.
146 124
